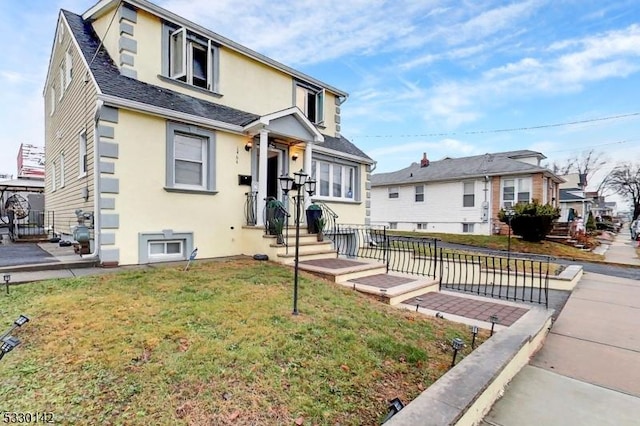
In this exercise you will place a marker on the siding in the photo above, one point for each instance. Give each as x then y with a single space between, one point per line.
441 209
73 113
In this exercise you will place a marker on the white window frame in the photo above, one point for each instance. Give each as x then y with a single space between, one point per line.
393 225
208 157
419 195
302 93
344 180
183 63
165 256
68 62
62 86
465 194
422 226
202 162
394 192
52 100
62 170
83 158
518 184
53 177
468 228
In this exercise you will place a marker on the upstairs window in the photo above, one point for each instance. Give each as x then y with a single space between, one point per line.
193 60
393 192
419 193
469 197
68 67
62 85
311 103
52 100
62 170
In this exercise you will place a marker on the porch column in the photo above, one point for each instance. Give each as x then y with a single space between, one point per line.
262 176
307 169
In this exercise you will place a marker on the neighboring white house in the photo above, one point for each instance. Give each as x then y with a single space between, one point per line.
461 195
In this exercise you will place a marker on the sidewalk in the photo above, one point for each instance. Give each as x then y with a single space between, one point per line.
588 371
622 249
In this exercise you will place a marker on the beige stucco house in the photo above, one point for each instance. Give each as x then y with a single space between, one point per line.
163 132
461 195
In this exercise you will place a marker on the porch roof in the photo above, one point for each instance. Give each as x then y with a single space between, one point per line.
22 184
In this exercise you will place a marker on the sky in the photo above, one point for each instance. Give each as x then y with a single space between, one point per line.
449 78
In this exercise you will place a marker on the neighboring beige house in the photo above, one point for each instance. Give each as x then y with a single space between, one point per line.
461 195
162 131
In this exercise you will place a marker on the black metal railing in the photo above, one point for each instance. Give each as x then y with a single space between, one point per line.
36 225
512 278
250 208
413 255
365 241
330 217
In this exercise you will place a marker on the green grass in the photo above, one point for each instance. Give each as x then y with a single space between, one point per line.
500 242
215 345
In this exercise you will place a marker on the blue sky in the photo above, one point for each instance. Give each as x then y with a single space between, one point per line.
431 76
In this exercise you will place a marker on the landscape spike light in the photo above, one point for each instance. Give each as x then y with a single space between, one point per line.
494 319
22 320
7 278
418 301
7 344
457 344
394 408
474 333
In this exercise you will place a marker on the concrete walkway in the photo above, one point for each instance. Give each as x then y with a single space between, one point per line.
588 371
622 249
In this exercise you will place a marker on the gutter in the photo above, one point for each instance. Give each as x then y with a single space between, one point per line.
96 184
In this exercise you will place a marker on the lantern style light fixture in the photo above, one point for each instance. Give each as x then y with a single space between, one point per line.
457 344
299 183
494 319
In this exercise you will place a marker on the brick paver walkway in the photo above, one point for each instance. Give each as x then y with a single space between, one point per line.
382 280
332 263
469 308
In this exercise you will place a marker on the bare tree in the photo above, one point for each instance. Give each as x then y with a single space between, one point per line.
587 164
559 169
625 180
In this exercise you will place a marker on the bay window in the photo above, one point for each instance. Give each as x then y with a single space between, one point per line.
334 180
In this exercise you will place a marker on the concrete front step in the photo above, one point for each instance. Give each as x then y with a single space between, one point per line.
305 247
321 253
351 271
382 285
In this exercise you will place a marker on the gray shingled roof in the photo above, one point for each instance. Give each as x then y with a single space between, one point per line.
496 164
565 195
111 82
343 145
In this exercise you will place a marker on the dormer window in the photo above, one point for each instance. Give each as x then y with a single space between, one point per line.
193 60
311 102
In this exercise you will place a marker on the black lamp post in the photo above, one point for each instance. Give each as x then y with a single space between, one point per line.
509 213
299 181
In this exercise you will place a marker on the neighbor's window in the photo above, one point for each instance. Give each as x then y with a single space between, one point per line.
393 192
311 102
469 197
191 158
166 250
467 227
82 154
334 180
421 226
193 59
393 225
419 193
516 190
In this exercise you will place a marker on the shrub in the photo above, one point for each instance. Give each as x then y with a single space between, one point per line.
531 221
591 223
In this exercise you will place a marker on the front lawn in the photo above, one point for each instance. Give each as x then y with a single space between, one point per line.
215 345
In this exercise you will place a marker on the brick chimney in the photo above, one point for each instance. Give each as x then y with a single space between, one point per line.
425 161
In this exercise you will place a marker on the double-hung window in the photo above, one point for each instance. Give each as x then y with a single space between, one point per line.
469 197
311 102
68 68
516 190
419 193
393 192
334 180
190 158
193 59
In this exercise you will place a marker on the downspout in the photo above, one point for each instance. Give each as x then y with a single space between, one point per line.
96 184
373 167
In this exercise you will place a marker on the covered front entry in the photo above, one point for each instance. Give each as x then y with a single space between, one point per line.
284 142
